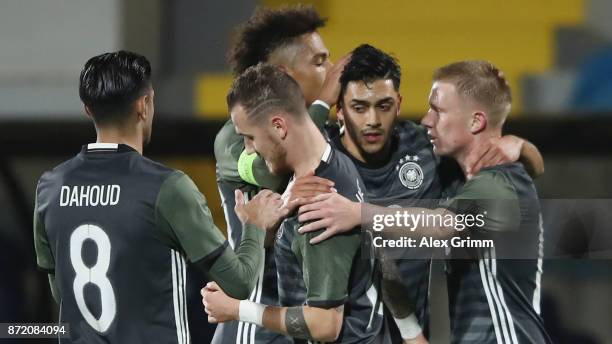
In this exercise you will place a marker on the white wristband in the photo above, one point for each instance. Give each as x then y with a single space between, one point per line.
409 327
251 312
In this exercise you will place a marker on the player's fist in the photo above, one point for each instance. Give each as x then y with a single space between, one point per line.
265 210
219 306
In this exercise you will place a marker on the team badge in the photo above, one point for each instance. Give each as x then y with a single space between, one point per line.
411 173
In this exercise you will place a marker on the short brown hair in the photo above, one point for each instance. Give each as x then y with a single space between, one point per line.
268 30
482 82
264 88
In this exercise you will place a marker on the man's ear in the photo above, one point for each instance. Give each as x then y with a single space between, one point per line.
478 122
399 104
340 112
279 126
140 107
88 111
282 67
340 116
285 69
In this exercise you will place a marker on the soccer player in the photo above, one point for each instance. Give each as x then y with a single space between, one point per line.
287 38
395 158
114 230
315 282
490 300
391 153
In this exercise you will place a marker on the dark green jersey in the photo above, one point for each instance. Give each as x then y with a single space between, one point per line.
332 273
250 174
116 230
494 300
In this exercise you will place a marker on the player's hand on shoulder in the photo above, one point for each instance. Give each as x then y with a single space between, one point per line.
303 189
219 307
332 212
265 210
331 86
498 151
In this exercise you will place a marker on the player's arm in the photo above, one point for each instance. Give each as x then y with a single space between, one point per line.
303 322
53 286
394 294
183 217
507 149
44 257
532 159
488 191
326 270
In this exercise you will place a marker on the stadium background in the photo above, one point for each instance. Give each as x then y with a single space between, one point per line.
557 56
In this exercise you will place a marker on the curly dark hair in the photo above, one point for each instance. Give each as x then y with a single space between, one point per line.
269 29
369 64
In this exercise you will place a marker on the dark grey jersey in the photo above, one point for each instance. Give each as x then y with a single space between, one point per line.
118 277
332 273
116 230
495 300
412 175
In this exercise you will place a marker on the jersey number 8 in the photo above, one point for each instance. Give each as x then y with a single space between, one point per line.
95 275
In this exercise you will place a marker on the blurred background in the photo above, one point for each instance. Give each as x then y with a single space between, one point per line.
556 54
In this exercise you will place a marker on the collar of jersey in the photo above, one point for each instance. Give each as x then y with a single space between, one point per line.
107 148
325 159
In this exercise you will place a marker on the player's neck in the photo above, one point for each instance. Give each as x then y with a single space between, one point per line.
130 137
305 153
483 138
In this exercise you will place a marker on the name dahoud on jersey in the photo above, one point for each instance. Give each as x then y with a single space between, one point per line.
89 195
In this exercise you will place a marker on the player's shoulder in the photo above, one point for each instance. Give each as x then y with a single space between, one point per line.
339 164
156 168
226 139
340 169
225 133
57 174
143 169
227 148
513 174
494 182
505 172
150 173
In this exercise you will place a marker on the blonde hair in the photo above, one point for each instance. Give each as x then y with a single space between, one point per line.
482 82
